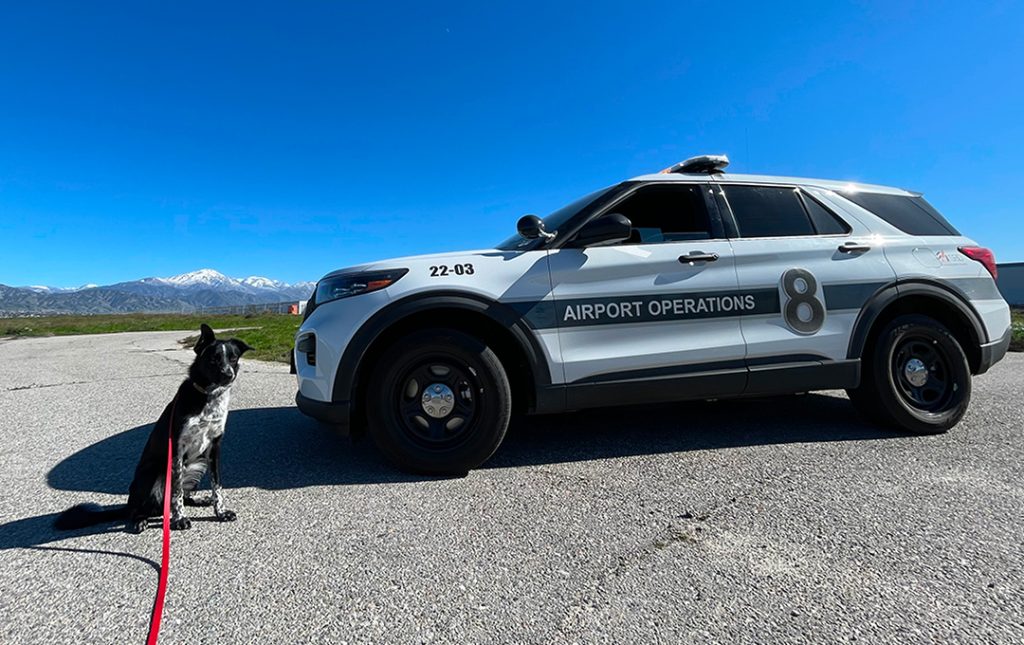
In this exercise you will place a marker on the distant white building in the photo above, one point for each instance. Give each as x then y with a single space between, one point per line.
1011 282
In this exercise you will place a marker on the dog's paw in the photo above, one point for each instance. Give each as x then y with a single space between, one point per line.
136 526
181 524
227 516
198 501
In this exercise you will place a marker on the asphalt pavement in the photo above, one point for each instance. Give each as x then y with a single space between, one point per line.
773 520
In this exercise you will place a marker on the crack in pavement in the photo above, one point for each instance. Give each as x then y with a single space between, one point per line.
161 353
687 528
36 386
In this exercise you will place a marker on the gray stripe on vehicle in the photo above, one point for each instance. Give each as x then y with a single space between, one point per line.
983 288
851 295
700 305
703 305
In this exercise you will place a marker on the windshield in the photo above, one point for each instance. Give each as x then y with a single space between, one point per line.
552 222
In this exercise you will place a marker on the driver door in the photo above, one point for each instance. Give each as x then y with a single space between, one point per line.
655 317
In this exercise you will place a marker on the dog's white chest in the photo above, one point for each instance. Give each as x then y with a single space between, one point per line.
200 430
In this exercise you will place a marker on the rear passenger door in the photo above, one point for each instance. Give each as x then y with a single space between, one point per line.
821 270
640 321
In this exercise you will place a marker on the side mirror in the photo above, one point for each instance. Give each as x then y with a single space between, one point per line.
531 227
607 229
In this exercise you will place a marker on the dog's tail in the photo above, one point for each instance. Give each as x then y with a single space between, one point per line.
83 515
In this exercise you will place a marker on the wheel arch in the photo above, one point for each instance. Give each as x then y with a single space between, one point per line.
500 326
938 300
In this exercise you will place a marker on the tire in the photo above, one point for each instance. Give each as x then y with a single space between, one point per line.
467 415
916 377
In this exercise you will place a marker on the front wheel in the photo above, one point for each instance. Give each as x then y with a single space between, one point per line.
439 402
917 378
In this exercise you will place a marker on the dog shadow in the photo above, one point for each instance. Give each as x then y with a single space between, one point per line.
279 448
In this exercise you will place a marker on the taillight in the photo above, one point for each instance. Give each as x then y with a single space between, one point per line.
983 255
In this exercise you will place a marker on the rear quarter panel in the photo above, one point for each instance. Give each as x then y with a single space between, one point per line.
936 258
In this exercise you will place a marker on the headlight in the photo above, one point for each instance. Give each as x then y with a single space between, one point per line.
354 284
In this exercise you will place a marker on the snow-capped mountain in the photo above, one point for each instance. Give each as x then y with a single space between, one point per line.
203 278
262 283
45 289
211 279
186 292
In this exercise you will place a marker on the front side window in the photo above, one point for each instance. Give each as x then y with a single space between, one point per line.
666 213
768 211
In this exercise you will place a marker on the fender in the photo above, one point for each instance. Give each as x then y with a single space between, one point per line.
505 315
938 289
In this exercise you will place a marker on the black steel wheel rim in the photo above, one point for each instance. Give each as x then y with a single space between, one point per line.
927 390
437 431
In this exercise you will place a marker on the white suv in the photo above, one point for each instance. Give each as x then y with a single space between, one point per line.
687 284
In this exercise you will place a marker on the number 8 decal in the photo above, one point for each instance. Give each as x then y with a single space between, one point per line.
802 307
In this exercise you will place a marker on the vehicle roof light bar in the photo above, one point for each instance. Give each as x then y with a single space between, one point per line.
708 164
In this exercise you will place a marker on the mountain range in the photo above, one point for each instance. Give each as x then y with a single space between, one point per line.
187 292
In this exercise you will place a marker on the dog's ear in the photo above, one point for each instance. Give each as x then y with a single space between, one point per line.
240 345
206 338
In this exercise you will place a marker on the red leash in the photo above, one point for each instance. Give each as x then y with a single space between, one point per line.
161 588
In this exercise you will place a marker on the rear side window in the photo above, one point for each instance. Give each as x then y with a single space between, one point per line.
912 215
666 213
768 211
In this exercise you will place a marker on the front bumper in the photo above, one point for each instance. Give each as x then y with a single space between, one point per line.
992 353
333 413
331 327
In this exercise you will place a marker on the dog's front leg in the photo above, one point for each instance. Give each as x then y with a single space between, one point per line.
219 510
178 520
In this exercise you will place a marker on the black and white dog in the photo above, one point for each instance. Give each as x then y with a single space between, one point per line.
196 417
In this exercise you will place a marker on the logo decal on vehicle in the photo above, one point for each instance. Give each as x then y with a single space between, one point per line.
949 258
803 305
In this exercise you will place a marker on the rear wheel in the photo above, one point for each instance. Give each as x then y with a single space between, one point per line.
439 402
916 378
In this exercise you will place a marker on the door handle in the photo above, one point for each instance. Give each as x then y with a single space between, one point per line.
697 256
854 247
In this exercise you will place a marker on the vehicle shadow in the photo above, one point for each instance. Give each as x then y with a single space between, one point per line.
682 427
269 448
279 448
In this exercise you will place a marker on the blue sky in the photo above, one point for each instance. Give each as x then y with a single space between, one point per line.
290 139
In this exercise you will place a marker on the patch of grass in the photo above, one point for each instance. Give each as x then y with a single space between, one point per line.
1017 337
271 337
271 341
